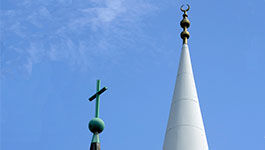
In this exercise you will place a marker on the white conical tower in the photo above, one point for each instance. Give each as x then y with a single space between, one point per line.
185 129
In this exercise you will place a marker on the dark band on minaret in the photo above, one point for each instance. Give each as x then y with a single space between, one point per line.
185 24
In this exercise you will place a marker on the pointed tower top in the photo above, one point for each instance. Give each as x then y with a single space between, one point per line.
185 23
96 125
185 129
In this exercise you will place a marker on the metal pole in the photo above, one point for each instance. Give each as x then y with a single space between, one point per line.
97 99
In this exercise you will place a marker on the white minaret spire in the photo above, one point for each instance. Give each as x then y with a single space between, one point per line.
185 129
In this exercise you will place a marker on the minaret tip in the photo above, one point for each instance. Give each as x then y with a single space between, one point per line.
185 23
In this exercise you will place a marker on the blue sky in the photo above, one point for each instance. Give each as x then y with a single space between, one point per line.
53 51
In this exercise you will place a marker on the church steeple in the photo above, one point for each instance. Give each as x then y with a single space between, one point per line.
185 129
96 125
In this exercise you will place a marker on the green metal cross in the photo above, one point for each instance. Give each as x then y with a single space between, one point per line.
96 96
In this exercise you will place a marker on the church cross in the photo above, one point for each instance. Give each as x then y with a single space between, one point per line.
96 96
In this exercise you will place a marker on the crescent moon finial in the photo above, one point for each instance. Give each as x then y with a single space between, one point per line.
185 23
183 10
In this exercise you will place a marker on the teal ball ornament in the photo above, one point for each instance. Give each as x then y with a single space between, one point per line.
96 125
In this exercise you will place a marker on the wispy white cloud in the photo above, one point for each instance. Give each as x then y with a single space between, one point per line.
68 31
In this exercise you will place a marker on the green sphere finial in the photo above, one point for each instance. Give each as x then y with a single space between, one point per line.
96 125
